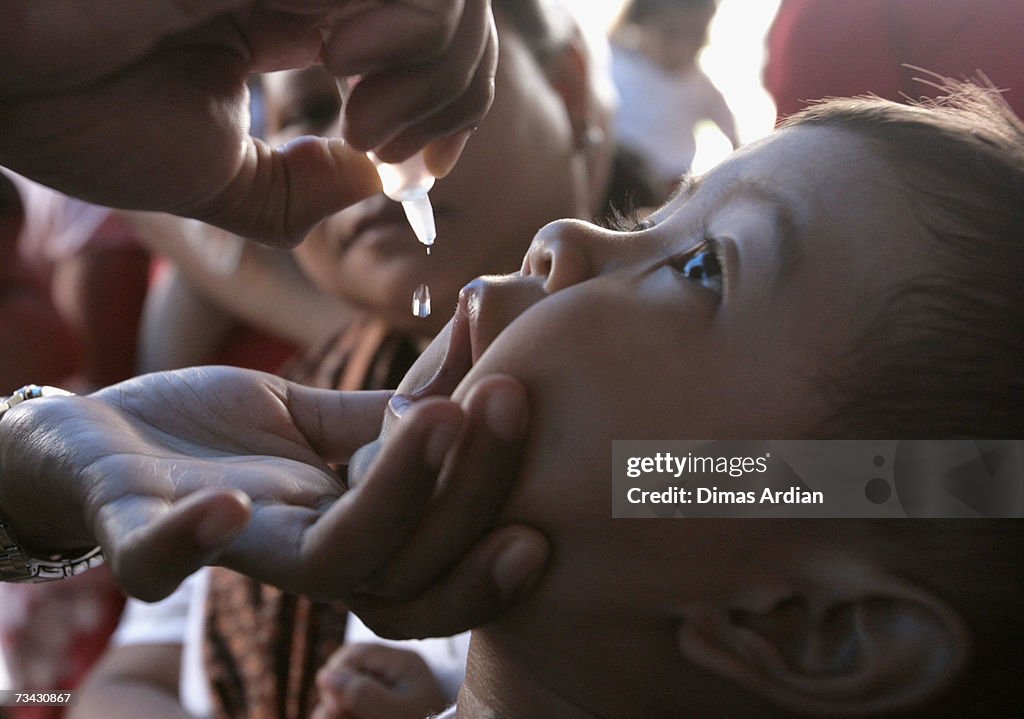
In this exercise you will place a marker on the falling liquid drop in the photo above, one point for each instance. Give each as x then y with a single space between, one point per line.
421 302
428 250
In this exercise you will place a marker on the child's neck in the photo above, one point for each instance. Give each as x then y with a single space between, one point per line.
616 673
497 689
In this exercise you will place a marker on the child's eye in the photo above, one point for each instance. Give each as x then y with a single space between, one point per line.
703 265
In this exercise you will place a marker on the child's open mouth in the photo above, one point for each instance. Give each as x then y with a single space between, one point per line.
487 305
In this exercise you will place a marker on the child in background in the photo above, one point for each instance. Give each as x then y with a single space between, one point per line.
856 275
663 93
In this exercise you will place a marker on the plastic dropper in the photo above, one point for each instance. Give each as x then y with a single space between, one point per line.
409 182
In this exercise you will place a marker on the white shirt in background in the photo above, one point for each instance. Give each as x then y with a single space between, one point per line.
659 112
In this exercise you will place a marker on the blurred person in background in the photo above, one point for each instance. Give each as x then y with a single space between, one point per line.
90 268
217 298
663 92
46 347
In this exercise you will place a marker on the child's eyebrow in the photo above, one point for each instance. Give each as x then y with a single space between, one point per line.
687 186
790 251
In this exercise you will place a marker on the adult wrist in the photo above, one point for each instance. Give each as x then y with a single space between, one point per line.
16 563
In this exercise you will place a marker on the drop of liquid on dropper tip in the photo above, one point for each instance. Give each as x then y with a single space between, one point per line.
421 301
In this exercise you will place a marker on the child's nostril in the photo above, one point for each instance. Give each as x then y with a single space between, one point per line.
539 264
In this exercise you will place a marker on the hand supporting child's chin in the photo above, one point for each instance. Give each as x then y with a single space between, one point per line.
454 556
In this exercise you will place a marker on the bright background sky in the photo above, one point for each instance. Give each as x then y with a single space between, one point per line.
732 59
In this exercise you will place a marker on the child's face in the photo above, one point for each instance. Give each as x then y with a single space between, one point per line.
517 173
799 237
718 317
676 36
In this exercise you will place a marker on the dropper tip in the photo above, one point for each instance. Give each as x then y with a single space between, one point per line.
421 217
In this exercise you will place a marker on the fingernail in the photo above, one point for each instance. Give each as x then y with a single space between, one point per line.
517 568
504 414
440 441
398 404
441 155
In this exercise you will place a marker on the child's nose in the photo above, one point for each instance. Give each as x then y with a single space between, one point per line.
564 253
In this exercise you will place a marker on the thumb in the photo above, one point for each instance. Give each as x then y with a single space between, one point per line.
151 548
279 194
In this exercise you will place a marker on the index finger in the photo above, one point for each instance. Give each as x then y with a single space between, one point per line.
151 545
405 33
477 481
388 506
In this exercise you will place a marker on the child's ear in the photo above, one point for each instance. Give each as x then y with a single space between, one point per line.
844 642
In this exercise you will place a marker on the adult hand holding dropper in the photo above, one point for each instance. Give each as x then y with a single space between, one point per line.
148 109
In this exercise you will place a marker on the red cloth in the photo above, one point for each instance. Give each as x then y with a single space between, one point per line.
838 48
41 347
252 348
72 282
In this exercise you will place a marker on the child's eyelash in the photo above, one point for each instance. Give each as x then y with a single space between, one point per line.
624 221
706 242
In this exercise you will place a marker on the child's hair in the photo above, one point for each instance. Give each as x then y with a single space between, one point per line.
945 356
